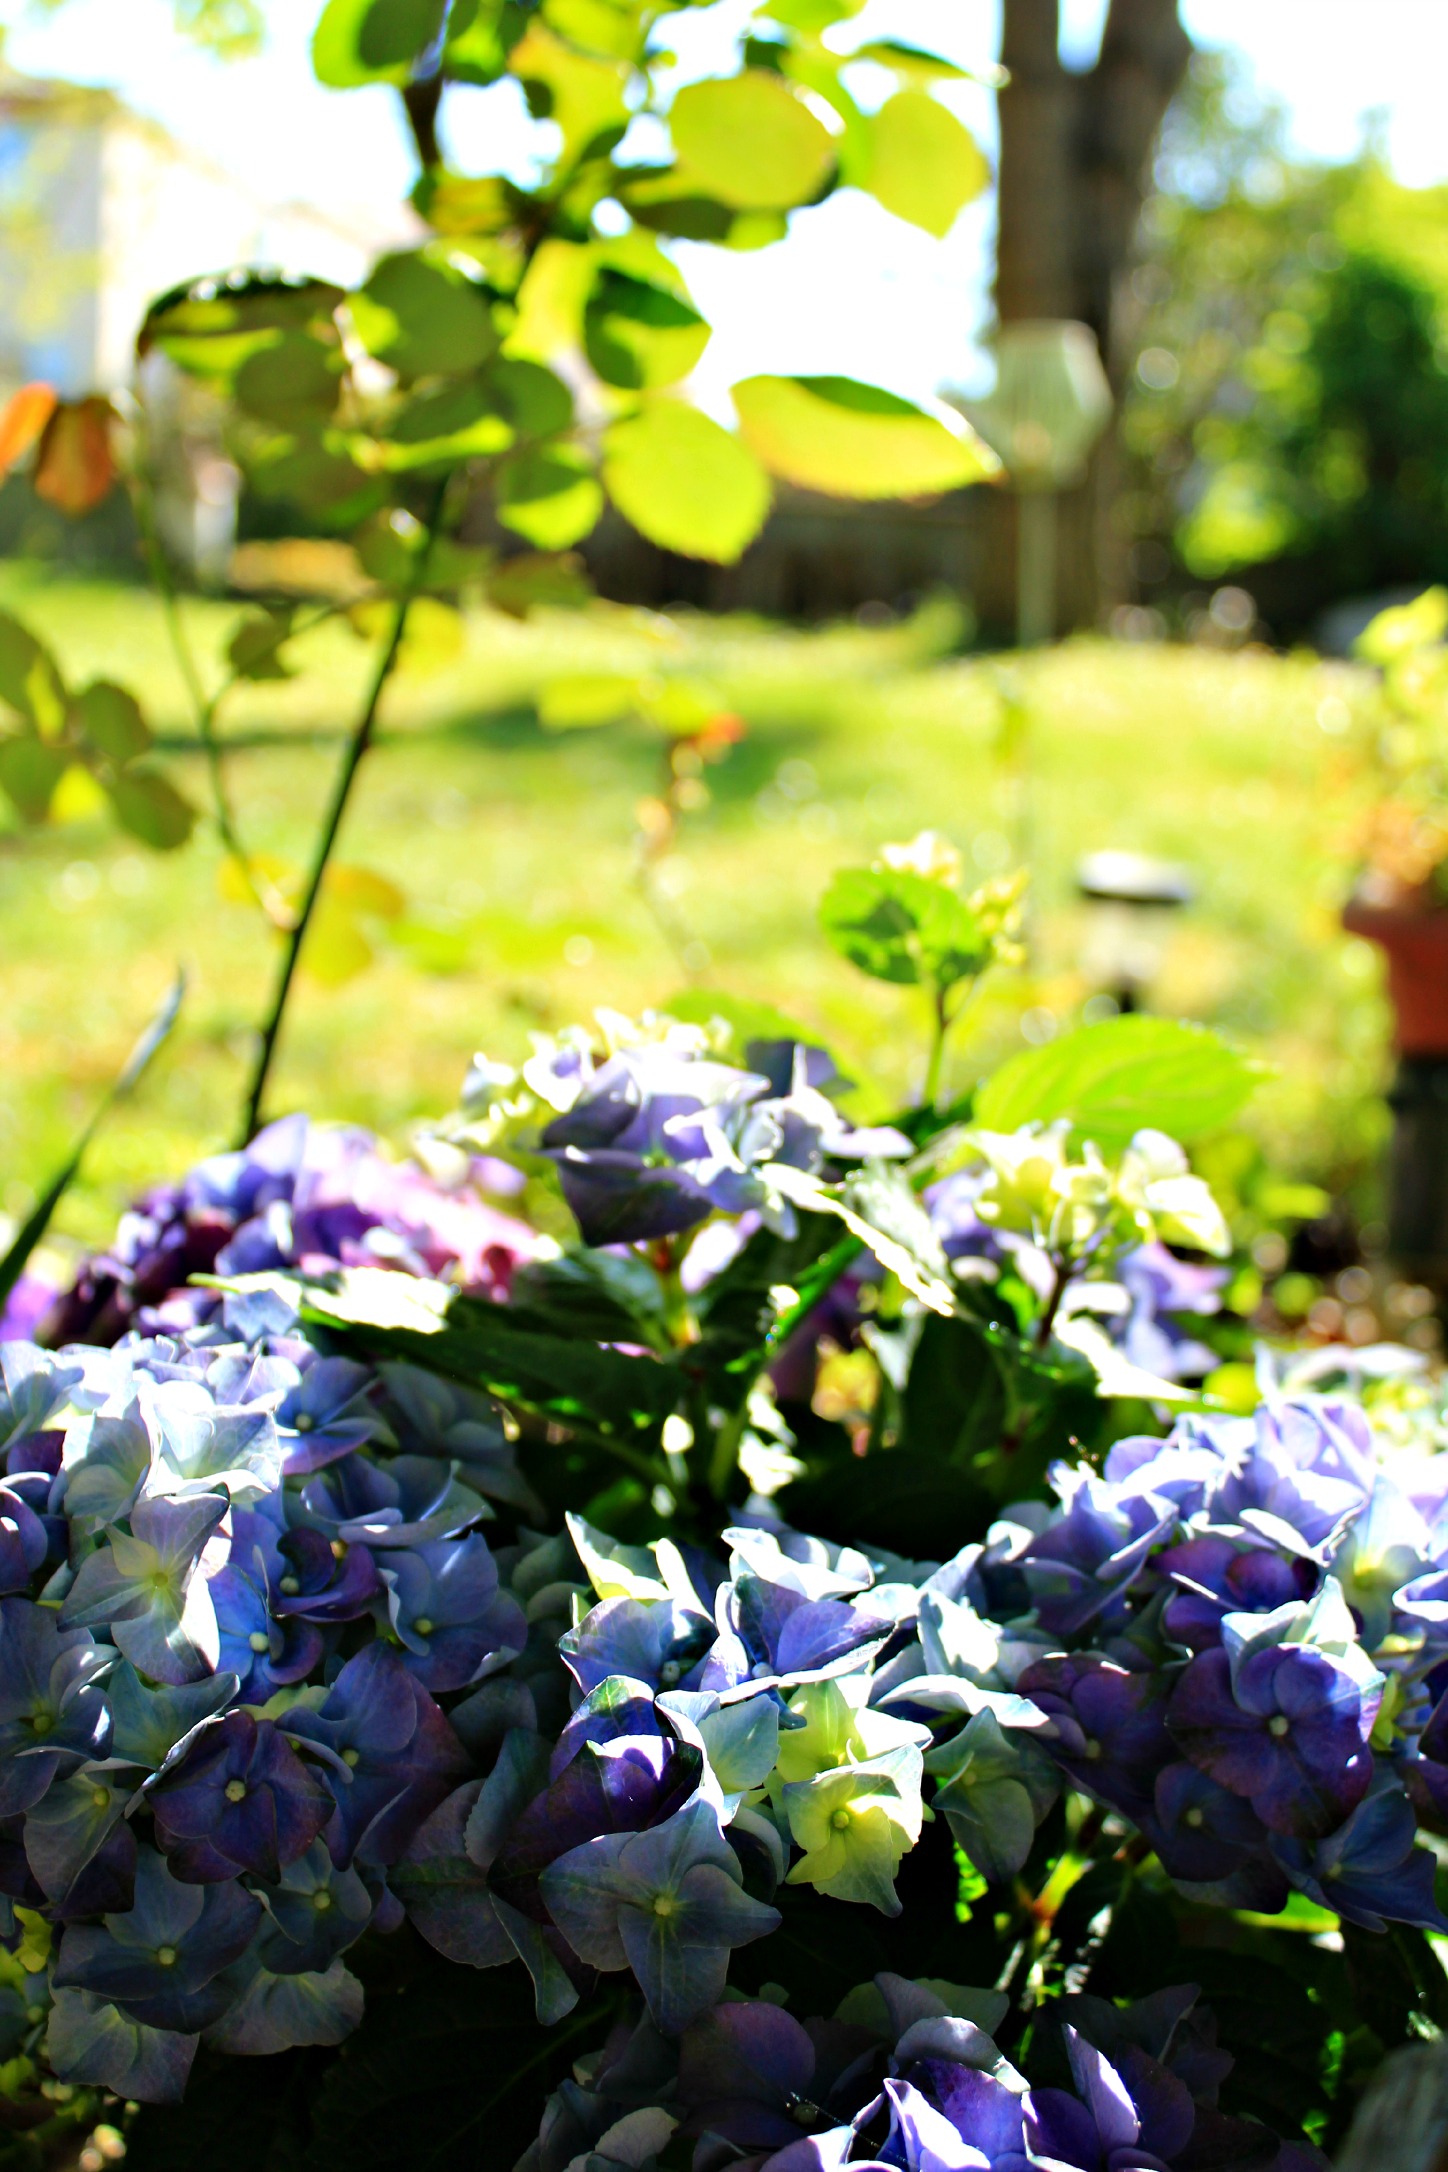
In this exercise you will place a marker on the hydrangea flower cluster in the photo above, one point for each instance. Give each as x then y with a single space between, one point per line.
301 1195
1250 1654
907 2077
652 1131
236 1576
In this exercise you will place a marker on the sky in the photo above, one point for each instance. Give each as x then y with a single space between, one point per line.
852 290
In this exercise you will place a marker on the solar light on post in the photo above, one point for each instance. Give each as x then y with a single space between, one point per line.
1131 900
1050 405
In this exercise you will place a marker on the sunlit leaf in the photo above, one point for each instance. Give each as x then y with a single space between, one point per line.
79 797
550 497
748 141
75 469
686 483
582 95
445 426
902 927
639 336
551 300
25 417
924 165
850 440
1112 1079
372 41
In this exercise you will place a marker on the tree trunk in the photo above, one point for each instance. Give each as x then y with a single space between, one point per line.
1074 166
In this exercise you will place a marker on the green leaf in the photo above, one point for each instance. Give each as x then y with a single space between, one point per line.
901 927
372 41
110 720
747 141
748 1021
810 17
583 96
924 165
535 400
639 336
152 809
850 440
292 381
552 496
423 315
1119 1077
685 483
29 773
445 426
912 64
607 1390
878 1206
30 680
12 1266
254 650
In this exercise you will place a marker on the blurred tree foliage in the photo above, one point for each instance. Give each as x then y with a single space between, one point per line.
232 27
1286 422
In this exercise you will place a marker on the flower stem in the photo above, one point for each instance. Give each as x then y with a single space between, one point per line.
357 748
930 1093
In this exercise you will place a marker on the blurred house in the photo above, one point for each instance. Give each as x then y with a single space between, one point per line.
101 210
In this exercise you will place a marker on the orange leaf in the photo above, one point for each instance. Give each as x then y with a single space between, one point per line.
23 421
77 467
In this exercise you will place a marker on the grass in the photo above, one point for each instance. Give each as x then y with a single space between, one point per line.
514 850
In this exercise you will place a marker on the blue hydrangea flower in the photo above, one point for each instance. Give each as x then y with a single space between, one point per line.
1084 1561
445 1608
53 1713
1286 1728
1109 1726
1371 1870
239 1799
147 1588
668 1903
161 1959
390 1756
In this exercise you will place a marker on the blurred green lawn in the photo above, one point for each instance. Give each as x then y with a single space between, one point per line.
515 847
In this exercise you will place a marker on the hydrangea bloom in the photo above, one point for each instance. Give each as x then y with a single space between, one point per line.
654 1132
303 1195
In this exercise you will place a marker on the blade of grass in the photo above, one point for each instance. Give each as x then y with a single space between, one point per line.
12 1266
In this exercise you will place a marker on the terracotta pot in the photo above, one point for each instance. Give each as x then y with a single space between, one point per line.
1414 937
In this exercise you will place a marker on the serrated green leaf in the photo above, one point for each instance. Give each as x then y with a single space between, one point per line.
850 440
685 483
902 927
1119 1077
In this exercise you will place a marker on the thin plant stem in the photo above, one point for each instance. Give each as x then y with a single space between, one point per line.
357 748
940 1028
143 498
1065 1267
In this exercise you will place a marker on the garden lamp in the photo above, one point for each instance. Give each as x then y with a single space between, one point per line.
1050 405
1132 899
